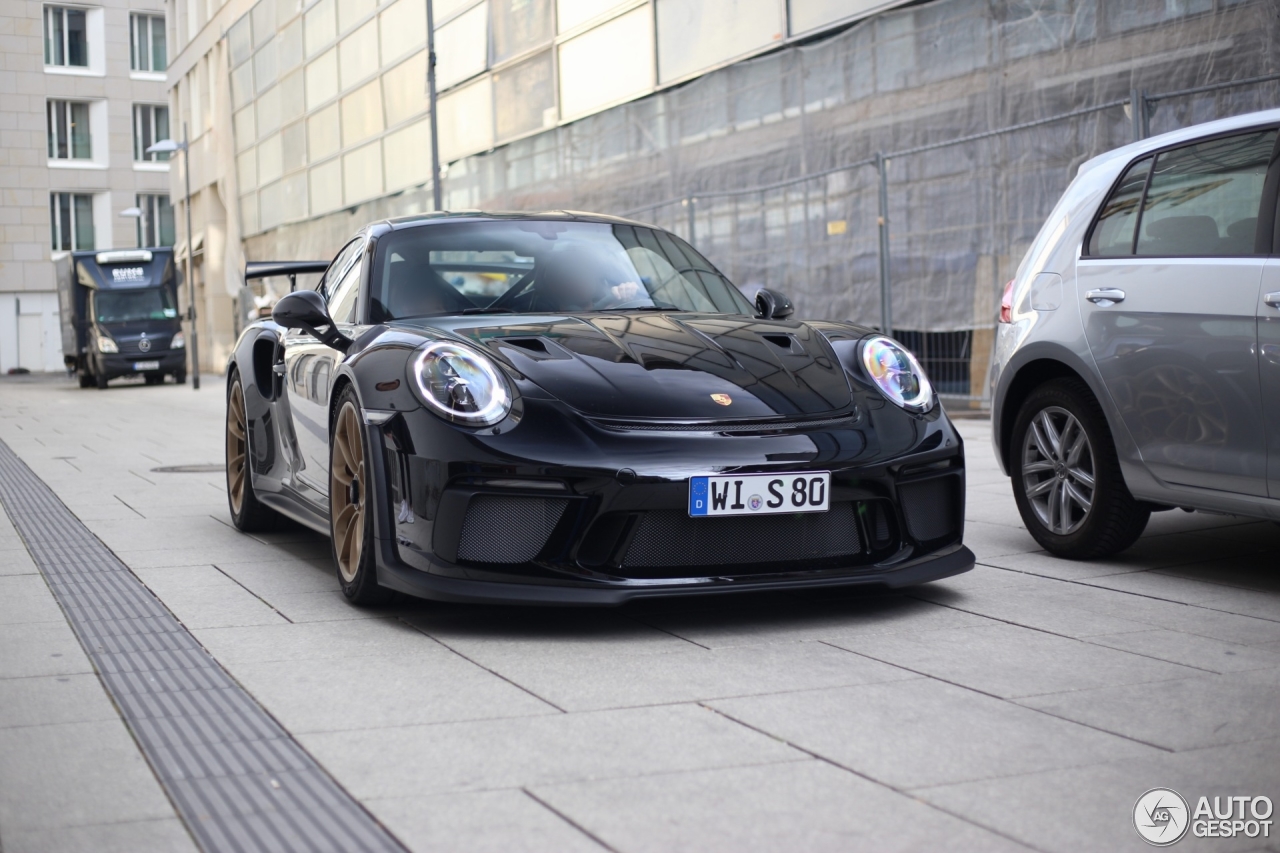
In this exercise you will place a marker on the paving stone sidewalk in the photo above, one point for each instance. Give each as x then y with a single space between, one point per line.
1024 705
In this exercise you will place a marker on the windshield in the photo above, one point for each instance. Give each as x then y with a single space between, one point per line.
123 306
543 267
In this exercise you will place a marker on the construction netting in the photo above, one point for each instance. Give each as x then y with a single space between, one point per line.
982 110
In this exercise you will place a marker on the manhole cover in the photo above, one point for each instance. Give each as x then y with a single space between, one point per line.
190 469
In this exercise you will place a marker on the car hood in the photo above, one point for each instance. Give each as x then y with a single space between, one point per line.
663 366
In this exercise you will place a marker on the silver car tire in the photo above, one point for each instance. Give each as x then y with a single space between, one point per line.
1066 475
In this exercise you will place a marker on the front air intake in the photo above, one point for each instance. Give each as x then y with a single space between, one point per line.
508 529
931 508
670 538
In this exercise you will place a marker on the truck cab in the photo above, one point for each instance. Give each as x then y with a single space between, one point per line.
120 316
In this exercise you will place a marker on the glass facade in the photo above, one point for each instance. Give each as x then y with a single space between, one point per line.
71 220
66 37
155 226
147 43
68 127
340 95
150 125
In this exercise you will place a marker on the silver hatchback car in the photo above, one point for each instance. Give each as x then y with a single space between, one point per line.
1137 363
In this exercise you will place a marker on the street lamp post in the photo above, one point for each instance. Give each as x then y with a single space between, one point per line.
431 105
168 146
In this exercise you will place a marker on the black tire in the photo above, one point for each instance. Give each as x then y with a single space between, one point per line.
86 380
247 513
100 379
354 558
180 377
1114 519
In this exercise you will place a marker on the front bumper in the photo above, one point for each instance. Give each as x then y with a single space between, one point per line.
395 575
122 364
452 527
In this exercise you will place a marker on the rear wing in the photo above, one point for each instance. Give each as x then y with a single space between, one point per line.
293 269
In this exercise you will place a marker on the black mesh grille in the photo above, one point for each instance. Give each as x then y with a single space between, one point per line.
507 529
670 537
931 508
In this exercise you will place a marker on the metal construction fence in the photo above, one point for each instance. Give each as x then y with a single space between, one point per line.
797 230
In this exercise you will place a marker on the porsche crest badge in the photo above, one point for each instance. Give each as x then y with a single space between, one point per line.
722 399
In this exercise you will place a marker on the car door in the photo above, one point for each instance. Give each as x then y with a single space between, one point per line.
310 368
1169 287
1269 367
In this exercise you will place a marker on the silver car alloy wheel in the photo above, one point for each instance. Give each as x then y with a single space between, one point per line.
1057 470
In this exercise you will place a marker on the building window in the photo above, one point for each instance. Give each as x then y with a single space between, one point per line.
66 37
68 124
155 226
150 125
71 215
146 43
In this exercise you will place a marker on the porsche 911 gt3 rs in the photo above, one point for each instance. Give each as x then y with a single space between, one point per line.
565 408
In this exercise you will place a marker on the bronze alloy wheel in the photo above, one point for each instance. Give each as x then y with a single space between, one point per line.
347 491
237 447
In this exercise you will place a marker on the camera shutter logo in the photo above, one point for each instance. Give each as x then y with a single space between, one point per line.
1161 817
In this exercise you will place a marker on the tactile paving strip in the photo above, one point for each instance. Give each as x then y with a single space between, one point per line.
238 780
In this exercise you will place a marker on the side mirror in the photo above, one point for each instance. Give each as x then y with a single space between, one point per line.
305 309
772 305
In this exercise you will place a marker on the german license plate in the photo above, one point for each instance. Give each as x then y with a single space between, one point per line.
760 494
140 366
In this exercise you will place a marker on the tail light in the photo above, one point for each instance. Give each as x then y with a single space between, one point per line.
1006 303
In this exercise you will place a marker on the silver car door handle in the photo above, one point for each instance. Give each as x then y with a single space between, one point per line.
1108 295
1272 299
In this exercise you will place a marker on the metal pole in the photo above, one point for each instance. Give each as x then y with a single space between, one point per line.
690 202
436 194
191 281
1138 113
886 295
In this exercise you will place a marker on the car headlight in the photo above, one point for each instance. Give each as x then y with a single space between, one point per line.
459 384
178 342
105 344
897 374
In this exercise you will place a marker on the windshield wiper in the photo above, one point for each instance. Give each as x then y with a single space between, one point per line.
488 310
646 308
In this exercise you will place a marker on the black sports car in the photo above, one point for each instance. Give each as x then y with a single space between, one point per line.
576 409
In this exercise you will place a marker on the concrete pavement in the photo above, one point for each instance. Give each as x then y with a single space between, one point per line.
1024 705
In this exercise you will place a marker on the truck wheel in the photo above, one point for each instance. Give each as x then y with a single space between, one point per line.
247 512
86 380
1066 475
101 380
180 377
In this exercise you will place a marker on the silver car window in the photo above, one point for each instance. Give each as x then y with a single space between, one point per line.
1113 233
1203 199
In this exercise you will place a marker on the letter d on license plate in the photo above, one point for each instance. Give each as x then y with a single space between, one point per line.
760 494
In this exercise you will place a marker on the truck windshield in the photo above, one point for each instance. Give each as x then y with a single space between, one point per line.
123 306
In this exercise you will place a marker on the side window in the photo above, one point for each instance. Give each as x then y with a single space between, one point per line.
342 301
1203 199
329 281
1113 232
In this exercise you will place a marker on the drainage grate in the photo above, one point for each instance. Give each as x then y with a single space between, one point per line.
238 779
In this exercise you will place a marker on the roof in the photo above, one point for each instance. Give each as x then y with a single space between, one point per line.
416 220
1186 134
